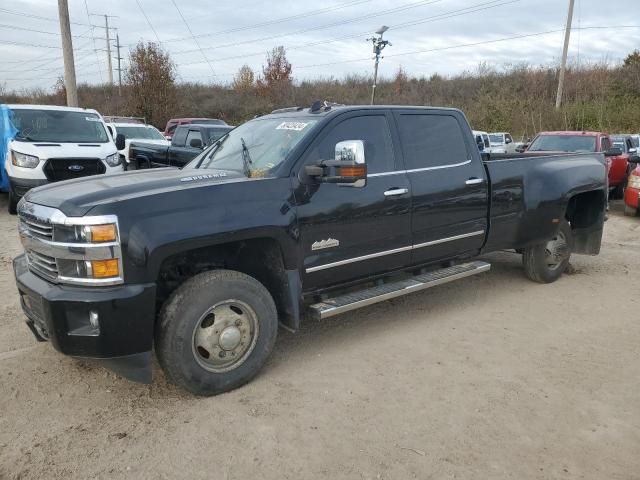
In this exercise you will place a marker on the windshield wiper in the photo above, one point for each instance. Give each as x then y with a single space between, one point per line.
215 146
24 137
246 159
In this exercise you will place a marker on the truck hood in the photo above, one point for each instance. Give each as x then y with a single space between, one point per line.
46 150
76 197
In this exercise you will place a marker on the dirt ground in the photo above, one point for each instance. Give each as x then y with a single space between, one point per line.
489 377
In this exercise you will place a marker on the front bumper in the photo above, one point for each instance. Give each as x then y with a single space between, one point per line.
61 315
20 186
632 197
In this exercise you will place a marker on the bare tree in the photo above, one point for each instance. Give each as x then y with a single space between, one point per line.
151 78
244 79
276 81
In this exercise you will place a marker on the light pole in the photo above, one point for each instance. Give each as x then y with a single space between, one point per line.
378 46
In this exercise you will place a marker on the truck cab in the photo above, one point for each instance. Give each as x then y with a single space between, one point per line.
52 143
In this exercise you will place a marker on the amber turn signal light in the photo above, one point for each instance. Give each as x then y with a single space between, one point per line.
101 233
105 268
353 171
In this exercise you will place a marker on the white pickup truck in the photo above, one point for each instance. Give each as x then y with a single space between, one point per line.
54 143
135 132
502 142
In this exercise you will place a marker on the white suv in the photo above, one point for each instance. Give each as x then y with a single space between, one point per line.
54 143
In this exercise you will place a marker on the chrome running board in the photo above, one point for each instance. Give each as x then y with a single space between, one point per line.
369 296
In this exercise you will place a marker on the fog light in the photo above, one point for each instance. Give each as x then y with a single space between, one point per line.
93 319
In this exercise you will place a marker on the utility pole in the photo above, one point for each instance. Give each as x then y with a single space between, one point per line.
378 46
67 54
119 67
109 66
565 49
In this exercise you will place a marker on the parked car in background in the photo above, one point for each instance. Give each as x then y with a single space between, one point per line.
175 122
324 209
501 142
482 140
188 141
632 192
56 143
583 142
136 132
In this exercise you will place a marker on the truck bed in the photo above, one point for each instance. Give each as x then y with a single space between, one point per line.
529 193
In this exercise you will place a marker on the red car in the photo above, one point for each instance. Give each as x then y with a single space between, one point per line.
632 192
568 141
174 122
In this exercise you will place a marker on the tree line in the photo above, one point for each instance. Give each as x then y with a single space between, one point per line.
518 98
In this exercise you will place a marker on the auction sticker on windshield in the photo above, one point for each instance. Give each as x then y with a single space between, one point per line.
297 126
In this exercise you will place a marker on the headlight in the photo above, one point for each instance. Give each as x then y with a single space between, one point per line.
24 160
86 233
89 269
634 181
113 160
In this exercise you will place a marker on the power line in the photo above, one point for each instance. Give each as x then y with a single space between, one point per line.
275 21
15 27
39 17
149 22
429 19
464 45
93 39
360 18
194 38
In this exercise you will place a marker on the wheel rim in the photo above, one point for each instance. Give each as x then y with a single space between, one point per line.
225 336
556 251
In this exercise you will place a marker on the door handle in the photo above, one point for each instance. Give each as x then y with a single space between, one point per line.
474 181
396 191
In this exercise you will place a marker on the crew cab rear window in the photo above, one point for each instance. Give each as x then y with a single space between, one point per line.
193 135
431 141
373 130
180 136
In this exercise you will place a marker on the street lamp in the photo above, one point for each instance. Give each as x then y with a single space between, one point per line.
378 46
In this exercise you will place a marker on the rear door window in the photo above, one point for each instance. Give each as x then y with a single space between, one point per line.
430 140
193 135
179 137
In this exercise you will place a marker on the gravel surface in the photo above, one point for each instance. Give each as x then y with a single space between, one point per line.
489 377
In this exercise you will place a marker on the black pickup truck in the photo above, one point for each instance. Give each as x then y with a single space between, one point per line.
187 142
322 210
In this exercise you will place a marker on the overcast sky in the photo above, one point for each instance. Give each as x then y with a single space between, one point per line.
322 39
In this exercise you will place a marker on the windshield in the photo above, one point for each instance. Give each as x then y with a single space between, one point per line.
263 143
496 138
59 126
216 133
563 143
621 145
146 133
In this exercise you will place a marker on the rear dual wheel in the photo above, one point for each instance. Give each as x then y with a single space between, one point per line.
546 262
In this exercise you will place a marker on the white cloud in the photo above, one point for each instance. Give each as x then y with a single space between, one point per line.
25 66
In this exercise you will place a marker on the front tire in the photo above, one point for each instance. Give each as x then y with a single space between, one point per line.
630 211
216 331
546 262
12 206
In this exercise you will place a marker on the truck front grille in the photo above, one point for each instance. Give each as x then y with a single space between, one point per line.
42 264
37 227
56 169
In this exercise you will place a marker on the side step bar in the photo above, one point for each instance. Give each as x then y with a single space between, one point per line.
369 296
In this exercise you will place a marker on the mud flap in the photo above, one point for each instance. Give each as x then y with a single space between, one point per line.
136 368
